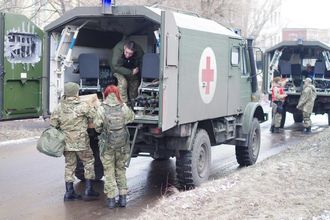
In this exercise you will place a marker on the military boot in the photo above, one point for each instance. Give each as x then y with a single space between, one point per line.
90 194
111 203
276 130
70 194
122 201
308 130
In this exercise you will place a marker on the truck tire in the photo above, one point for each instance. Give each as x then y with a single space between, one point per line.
193 167
298 117
248 155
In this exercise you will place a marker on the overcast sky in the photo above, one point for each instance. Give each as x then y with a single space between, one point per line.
307 13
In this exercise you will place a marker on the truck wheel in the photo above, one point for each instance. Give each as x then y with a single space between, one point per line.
193 167
248 155
298 117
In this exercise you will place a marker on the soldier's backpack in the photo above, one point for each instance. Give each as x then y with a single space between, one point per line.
51 142
114 129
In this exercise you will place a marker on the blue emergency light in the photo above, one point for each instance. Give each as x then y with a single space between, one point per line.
106 7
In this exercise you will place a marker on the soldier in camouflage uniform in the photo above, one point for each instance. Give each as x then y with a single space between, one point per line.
278 97
306 103
71 117
125 63
111 119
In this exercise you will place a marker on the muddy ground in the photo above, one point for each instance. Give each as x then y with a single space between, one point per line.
294 184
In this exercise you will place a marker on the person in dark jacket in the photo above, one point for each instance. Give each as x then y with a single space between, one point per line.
126 62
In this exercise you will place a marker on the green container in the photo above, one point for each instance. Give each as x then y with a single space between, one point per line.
20 67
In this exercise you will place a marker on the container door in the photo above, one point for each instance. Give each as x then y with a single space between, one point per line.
21 88
169 52
2 24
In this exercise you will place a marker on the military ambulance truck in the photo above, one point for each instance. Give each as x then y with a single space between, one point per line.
290 59
20 67
197 89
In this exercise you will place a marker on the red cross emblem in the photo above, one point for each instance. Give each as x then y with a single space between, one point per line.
208 75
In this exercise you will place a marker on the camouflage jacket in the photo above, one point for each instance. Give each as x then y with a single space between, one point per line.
111 100
114 139
307 98
119 64
71 116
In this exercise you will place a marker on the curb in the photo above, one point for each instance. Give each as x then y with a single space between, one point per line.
18 141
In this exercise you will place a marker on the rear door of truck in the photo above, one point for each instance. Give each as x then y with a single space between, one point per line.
169 55
20 68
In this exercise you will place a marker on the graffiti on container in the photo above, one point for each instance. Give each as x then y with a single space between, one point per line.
23 45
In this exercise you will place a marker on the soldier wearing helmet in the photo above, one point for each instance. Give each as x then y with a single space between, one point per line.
71 117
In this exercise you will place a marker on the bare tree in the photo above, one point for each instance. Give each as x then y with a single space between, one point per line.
260 16
248 15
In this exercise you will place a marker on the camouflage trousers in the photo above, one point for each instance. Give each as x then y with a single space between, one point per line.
115 171
86 156
128 87
307 119
276 117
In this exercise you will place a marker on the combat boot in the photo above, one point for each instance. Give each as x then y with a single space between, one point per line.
276 130
70 194
308 130
111 203
122 201
90 194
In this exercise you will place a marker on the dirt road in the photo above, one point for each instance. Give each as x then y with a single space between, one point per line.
294 184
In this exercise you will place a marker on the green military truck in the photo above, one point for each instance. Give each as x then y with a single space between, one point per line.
291 59
198 81
20 67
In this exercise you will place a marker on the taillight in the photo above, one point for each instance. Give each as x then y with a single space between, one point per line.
155 130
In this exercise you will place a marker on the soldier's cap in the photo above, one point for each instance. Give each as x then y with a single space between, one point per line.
308 80
277 79
71 89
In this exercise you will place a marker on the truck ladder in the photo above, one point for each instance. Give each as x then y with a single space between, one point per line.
64 50
132 143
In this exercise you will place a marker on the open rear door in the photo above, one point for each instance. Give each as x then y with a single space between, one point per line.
20 68
169 70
